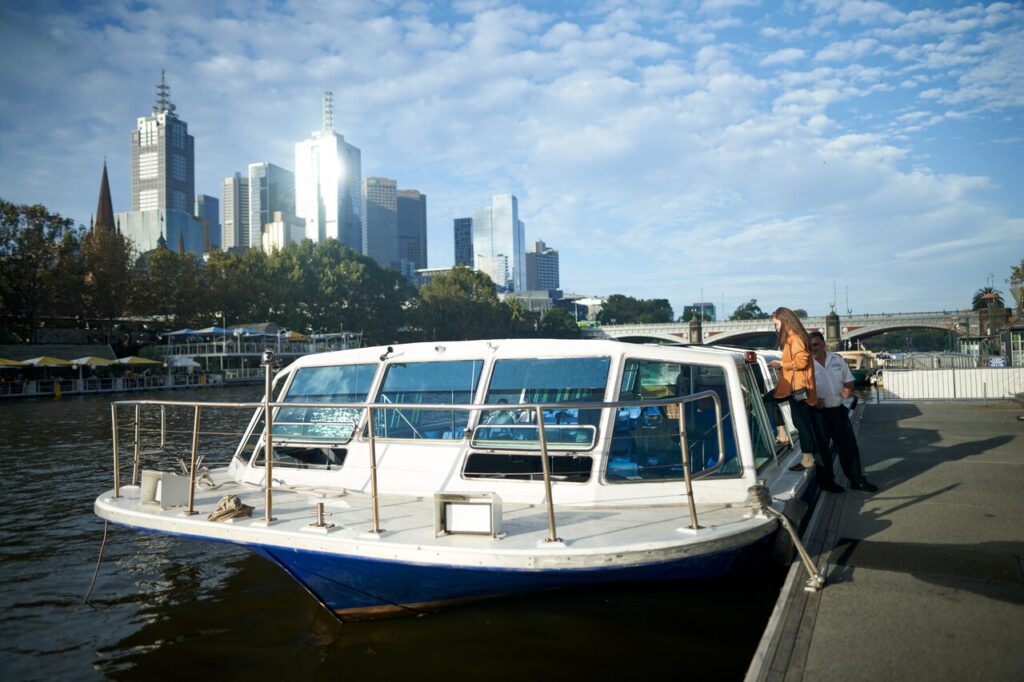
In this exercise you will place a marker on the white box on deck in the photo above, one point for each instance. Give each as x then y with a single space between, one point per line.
475 513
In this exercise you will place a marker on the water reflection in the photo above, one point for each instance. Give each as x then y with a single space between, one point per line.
164 607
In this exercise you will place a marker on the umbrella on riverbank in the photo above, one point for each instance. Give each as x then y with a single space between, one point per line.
47 361
93 361
136 360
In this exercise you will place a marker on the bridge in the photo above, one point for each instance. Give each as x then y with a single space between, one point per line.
852 328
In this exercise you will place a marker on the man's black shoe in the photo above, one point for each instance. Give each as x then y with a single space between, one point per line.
833 488
797 467
865 486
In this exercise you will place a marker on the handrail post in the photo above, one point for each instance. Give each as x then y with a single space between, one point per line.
373 471
688 482
117 468
546 468
192 463
135 466
163 426
268 438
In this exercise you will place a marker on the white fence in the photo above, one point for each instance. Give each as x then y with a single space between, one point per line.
951 384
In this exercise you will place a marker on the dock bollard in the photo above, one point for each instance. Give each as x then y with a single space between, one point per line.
320 517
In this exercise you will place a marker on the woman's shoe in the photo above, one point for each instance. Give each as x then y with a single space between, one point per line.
797 467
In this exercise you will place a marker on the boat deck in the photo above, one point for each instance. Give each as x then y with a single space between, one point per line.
588 535
925 576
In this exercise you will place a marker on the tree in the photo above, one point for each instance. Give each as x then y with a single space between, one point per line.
655 311
1017 271
556 323
156 276
107 260
30 238
801 313
517 316
985 294
620 309
749 311
459 304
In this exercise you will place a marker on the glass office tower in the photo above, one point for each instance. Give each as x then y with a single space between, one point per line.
499 243
328 184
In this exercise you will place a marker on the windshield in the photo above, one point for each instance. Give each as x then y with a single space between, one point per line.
337 384
426 383
553 380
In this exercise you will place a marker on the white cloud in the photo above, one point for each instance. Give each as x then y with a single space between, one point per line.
784 56
641 138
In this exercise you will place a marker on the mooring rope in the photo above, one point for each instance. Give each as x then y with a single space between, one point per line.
96 572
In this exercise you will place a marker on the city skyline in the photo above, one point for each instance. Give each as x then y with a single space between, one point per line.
746 149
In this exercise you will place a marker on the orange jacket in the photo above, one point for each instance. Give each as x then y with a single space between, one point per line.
797 371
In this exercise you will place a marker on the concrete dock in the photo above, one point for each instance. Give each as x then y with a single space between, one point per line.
925 578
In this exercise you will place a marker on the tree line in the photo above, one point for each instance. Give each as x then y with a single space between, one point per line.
52 270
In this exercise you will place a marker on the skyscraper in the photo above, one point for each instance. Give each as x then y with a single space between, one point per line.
499 243
412 227
163 158
207 211
163 181
541 268
271 190
463 230
328 184
380 221
235 206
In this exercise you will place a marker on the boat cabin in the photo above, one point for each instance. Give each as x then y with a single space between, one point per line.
476 416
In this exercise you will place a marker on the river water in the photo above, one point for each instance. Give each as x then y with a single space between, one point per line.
164 608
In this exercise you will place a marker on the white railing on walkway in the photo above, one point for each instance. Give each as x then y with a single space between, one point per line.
998 383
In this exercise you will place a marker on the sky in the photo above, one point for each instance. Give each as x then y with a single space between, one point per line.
807 153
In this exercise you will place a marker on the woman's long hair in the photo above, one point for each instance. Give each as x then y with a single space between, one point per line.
790 323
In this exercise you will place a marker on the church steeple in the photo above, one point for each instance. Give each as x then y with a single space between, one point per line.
104 207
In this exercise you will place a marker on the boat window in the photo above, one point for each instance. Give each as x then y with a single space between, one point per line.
528 467
550 380
645 440
305 456
336 384
761 426
429 383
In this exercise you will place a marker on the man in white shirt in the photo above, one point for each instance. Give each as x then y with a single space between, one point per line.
834 382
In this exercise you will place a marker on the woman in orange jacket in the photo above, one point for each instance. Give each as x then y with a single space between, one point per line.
796 384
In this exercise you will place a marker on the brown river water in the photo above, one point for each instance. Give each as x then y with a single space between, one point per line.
164 608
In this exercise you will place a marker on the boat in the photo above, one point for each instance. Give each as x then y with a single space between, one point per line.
863 365
411 477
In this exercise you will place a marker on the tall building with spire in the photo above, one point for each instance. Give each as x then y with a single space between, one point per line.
163 181
328 184
163 158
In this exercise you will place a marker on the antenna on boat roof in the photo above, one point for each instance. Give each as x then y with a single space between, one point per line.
849 311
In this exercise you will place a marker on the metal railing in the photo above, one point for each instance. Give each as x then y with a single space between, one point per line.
367 430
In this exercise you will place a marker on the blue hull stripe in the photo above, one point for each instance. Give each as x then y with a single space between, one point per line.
355 586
